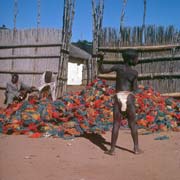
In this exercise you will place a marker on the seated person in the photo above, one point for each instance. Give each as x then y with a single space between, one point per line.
48 85
16 90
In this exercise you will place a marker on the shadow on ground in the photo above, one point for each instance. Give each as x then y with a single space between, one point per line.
100 141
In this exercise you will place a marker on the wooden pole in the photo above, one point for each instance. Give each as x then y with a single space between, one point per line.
68 16
143 24
15 28
145 60
144 76
122 22
140 48
97 14
28 46
38 18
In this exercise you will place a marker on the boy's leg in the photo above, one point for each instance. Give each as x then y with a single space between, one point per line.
131 116
116 125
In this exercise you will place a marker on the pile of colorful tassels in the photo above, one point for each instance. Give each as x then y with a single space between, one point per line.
156 112
89 110
73 114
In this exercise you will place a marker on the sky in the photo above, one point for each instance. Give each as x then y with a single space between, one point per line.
159 12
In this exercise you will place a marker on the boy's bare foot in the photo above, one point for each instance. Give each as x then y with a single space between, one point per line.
110 152
138 151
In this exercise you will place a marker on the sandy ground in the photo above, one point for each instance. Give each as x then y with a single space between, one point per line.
83 158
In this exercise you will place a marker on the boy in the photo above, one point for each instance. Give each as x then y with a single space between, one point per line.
124 100
48 85
15 89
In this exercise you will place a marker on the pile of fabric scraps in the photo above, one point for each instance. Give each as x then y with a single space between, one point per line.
89 110
155 112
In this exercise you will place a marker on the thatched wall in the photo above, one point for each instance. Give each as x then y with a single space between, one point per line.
26 53
159 66
133 36
30 53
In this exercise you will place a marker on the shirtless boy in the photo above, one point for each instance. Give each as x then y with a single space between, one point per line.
124 100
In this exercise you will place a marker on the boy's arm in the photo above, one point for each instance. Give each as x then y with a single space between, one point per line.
10 89
25 87
135 84
102 69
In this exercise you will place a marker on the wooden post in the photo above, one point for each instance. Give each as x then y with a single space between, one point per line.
68 16
143 24
97 13
122 22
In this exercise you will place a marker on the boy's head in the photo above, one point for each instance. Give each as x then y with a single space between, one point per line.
130 56
15 78
48 77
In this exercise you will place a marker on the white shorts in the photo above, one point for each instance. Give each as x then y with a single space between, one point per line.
122 97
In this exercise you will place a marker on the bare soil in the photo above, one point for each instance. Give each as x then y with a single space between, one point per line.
83 158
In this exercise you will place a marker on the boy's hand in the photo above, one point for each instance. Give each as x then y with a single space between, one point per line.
100 57
33 88
100 54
